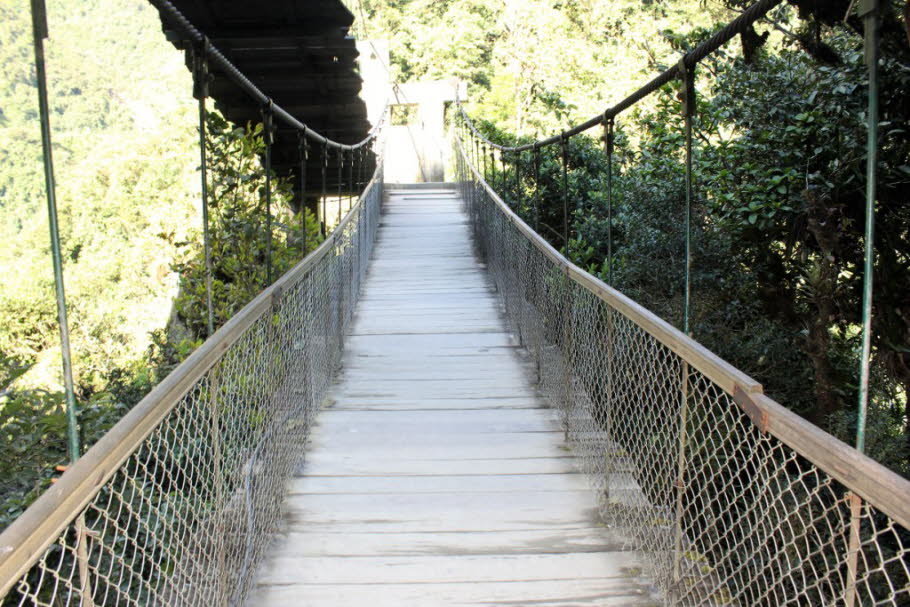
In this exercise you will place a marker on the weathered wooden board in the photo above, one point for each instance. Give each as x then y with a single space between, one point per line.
599 592
435 476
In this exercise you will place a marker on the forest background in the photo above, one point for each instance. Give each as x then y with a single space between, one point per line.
779 173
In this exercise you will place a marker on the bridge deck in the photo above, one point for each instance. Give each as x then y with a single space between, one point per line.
435 477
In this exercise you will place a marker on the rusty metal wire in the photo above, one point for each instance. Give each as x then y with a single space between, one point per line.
184 516
725 511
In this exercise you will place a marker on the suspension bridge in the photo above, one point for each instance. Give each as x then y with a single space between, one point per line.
437 407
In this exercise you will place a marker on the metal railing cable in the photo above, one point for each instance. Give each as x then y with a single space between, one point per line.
732 499
868 11
175 504
182 493
200 40
682 72
686 63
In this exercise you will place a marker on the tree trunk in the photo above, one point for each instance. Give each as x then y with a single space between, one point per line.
822 281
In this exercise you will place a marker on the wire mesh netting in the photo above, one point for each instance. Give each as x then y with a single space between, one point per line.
187 515
724 512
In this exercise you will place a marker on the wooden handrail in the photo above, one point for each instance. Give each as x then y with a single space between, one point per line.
29 536
885 490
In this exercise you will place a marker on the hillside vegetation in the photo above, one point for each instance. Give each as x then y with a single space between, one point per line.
126 152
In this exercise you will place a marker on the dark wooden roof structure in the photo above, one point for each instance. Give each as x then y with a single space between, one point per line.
299 53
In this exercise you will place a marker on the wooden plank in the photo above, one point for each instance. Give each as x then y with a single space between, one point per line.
462 404
444 512
603 592
448 483
401 424
446 568
333 465
462 543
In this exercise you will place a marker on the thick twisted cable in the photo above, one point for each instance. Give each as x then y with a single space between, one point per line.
689 60
238 77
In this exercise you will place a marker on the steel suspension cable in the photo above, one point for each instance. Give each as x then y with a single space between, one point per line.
689 60
39 33
218 59
201 92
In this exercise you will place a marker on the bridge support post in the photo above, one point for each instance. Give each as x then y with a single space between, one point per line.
359 185
608 415
303 147
608 150
505 179
201 80
680 481
324 220
563 142
82 551
483 156
340 171
518 180
567 354
536 188
869 11
853 544
351 182
39 33
218 499
688 94
268 131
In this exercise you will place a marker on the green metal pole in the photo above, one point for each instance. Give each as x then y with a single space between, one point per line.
565 196
537 195
483 156
304 147
325 164
688 76
39 33
200 92
340 170
608 143
351 182
267 119
505 179
869 11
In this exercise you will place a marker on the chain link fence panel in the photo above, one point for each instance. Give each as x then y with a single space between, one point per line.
179 500
681 450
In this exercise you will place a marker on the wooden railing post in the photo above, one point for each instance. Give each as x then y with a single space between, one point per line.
608 416
218 515
569 305
853 544
85 582
680 482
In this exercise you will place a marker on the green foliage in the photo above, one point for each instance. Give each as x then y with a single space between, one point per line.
128 193
534 65
238 231
777 222
124 164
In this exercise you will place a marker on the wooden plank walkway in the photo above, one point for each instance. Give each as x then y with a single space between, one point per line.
435 476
